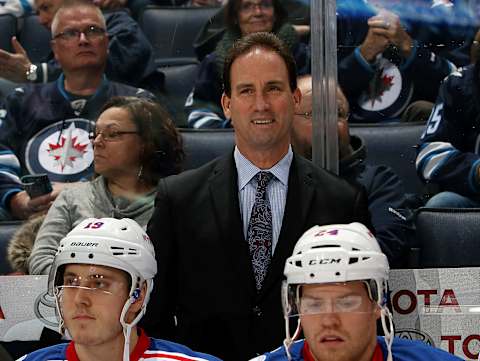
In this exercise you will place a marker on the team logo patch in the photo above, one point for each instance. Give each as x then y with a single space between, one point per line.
387 95
62 150
415 335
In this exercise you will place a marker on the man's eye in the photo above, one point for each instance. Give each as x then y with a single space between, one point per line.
71 282
70 33
112 135
101 285
349 302
246 91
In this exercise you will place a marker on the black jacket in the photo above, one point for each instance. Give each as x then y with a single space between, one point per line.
205 278
391 216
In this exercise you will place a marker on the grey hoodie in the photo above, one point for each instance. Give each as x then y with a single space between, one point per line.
85 200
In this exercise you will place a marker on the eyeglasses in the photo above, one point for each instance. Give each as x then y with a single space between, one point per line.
249 7
91 33
109 135
340 114
348 303
306 115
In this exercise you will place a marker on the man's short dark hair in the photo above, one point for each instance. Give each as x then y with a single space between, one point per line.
267 41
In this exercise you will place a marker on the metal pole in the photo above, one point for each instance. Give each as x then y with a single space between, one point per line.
324 76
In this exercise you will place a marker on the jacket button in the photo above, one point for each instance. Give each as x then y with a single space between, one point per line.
257 311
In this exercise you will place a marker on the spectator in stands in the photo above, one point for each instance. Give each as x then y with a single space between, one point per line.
242 17
391 218
44 128
134 144
298 14
17 8
338 303
130 55
208 226
382 69
448 155
101 295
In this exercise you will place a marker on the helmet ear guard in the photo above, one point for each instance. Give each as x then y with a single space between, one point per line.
135 295
336 254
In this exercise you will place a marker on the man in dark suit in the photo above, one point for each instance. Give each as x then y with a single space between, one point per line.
208 292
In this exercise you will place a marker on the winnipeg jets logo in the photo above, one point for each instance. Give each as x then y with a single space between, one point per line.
384 88
78 105
62 150
380 83
67 150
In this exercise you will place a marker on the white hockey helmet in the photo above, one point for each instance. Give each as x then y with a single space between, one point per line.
118 243
335 254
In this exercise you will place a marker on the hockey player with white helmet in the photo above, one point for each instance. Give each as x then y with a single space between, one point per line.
102 277
336 284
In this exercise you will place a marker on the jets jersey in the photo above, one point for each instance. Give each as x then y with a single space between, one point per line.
448 154
44 129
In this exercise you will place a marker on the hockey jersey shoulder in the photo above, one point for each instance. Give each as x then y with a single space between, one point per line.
166 350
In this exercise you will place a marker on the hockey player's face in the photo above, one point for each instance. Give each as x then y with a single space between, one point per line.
340 336
87 50
92 302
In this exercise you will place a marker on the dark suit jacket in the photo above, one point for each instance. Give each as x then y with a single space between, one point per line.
205 277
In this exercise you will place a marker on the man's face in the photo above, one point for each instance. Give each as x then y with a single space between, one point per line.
302 128
302 124
46 10
255 16
86 50
261 105
337 334
92 312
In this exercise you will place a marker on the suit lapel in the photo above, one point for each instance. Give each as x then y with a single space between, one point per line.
299 198
223 187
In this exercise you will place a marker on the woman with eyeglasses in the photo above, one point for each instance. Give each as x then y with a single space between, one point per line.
135 144
242 17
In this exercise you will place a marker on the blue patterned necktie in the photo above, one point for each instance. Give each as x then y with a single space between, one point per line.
259 234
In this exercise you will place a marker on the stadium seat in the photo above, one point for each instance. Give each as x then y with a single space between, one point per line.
6 87
178 83
8 28
393 145
203 145
7 229
35 38
448 237
172 30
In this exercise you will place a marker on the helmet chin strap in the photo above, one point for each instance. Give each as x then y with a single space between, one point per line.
127 328
289 340
388 330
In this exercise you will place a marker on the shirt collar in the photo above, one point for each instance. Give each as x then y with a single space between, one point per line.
246 170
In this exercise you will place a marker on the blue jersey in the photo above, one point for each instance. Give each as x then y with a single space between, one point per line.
147 348
448 154
44 129
402 350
